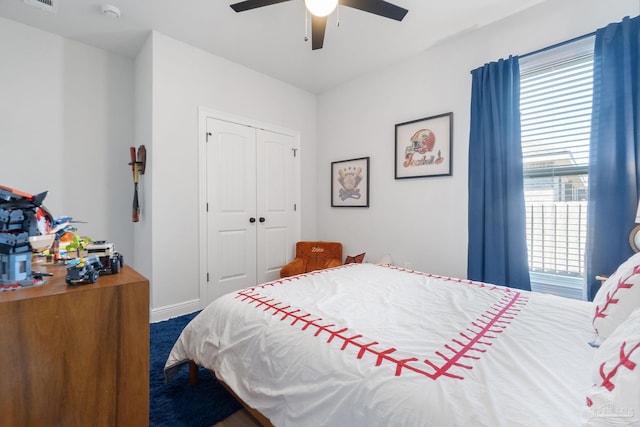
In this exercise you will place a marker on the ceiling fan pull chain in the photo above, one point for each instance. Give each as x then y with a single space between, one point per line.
306 24
338 15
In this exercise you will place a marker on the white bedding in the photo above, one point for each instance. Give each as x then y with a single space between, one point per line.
370 345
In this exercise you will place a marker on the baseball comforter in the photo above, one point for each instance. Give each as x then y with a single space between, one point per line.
372 345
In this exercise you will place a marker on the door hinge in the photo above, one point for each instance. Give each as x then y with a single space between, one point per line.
207 276
207 207
295 151
295 207
208 134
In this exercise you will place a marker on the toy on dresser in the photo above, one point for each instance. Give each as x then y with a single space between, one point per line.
102 259
24 224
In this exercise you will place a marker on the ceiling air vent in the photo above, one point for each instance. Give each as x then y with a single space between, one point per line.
46 5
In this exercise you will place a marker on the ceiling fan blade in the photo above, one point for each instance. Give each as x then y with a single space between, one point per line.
377 7
254 4
318 25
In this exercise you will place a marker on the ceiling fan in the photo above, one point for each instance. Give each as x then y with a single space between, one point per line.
319 10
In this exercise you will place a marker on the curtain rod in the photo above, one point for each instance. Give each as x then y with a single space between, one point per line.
584 36
575 39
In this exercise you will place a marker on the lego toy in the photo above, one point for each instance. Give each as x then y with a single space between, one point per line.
21 215
111 260
102 259
86 271
26 226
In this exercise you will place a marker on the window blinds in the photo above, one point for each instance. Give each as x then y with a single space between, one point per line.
555 106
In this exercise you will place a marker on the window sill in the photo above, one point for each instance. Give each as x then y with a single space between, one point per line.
569 287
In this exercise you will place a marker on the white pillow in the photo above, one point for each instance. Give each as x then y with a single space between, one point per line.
614 398
617 298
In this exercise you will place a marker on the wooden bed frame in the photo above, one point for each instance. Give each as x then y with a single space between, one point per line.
193 380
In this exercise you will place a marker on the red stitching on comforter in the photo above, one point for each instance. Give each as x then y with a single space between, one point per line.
469 345
625 361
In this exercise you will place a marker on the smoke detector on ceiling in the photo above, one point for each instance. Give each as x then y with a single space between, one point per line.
46 5
111 11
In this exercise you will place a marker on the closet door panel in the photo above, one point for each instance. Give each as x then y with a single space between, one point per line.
231 195
276 204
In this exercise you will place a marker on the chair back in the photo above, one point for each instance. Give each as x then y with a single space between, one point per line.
319 255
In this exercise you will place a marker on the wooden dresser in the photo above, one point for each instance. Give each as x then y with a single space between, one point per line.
75 356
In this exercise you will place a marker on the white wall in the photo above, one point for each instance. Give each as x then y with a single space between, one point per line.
423 222
185 78
142 230
66 120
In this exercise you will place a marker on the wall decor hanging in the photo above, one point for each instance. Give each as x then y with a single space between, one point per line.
424 147
138 165
350 183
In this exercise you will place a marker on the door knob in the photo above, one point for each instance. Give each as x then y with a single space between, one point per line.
262 219
252 220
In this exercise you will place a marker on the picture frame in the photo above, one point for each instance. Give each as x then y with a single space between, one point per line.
350 183
423 147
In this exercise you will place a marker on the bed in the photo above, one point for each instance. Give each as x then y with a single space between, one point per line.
376 345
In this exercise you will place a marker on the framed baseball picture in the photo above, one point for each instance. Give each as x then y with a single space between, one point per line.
350 183
423 147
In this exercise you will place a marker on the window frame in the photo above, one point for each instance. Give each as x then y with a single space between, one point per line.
574 286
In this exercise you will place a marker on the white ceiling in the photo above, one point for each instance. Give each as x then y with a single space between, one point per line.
270 39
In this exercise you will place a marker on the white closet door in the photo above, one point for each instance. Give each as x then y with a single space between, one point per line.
277 218
231 198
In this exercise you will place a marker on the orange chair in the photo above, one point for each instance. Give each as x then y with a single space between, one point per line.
312 256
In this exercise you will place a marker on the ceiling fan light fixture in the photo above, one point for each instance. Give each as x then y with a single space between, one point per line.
321 7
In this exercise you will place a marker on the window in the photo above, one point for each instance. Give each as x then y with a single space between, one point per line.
555 105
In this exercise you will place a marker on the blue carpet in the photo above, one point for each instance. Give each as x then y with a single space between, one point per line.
177 403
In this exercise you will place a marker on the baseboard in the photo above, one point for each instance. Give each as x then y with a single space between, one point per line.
174 310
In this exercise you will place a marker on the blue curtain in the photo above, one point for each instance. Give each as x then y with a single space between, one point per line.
614 150
497 250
